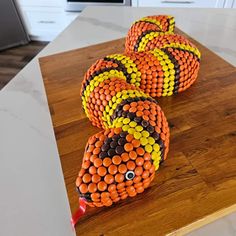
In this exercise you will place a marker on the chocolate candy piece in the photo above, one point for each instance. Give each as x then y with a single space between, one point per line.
130 115
123 134
156 136
145 123
111 152
119 150
102 155
105 147
108 140
150 129
137 119
122 141
115 137
113 144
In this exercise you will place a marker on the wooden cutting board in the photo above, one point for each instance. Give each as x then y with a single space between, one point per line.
195 185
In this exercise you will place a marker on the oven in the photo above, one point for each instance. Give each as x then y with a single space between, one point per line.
79 5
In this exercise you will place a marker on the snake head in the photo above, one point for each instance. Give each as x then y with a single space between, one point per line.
115 166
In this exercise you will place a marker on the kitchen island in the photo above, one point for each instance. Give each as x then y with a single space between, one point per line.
33 190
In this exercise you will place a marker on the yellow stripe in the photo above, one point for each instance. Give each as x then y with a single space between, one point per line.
185 47
148 37
168 69
157 22
137 131
146 19
116 100
96 81
130 66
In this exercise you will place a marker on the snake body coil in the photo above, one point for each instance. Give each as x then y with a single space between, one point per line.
118 94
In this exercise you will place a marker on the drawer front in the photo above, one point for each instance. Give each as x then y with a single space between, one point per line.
41 3
181 3
43 20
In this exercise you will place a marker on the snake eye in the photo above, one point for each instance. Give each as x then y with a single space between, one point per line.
129 175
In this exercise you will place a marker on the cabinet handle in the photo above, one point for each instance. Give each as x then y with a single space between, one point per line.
181 2
47 22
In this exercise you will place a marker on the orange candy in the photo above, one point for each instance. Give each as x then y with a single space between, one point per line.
119 178
83 188
125 156
102 171
147 165
116 160
140 151
132 155
131 165
128 147
139 161
86 178
96 178
97 162
92 187
107 161
112 169
138 170
102 186
122 168
109 179
129 137
135 143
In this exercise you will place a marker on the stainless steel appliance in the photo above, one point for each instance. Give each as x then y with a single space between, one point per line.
79 5
12 31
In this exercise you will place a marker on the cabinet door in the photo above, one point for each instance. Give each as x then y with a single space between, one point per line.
229 3
234 5
181 3
41 3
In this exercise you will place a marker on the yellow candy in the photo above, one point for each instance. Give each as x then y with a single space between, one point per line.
114 106
131 130
125 127
118 124
156 164
156 147
148 148
165 68
139 128
151 140
132 124
143 141
137 135
129 70
126 121
145 134
166 73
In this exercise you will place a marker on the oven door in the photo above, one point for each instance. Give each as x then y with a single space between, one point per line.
79 5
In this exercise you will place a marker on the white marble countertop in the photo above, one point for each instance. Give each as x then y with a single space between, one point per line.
33 198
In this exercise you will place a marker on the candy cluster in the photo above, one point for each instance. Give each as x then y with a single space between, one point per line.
118 94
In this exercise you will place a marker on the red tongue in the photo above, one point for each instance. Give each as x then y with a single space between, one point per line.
76 216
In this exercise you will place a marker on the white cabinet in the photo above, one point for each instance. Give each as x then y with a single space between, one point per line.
181 3
44 20
45 3
229 3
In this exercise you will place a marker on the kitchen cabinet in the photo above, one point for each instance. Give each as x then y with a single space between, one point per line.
44 20
181 3
230 4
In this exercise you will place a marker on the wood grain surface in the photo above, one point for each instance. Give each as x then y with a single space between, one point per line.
195 183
